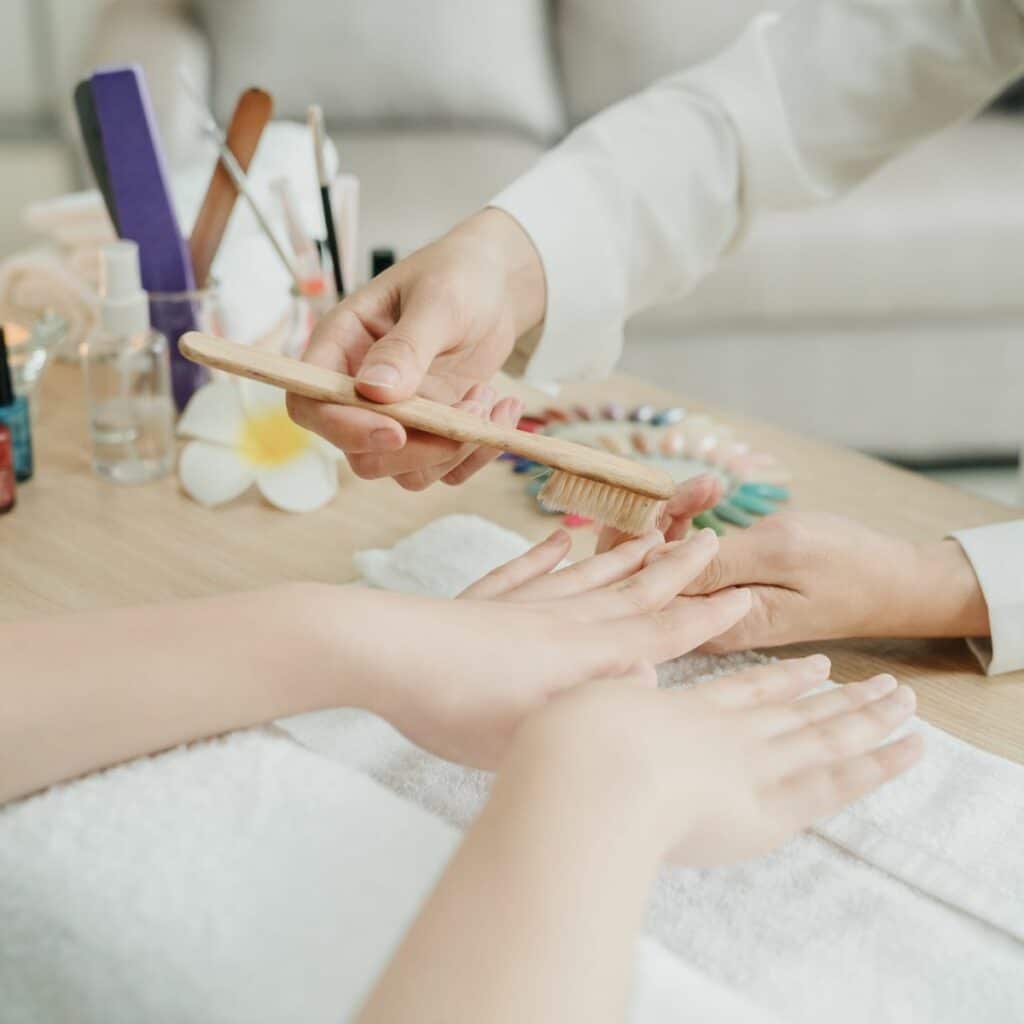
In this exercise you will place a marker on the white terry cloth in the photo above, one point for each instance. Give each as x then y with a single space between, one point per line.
244 880
906 907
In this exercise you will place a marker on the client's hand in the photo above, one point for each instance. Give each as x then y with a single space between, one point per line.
817 577
440 324
725 770
458 677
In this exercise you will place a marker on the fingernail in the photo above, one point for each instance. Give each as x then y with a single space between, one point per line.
515 411
818 664
487 395
384 440
883 684
904 695
707 537
380 375
558 537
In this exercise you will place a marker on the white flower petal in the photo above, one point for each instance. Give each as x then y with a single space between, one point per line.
212 474
305 483
214 413
258 397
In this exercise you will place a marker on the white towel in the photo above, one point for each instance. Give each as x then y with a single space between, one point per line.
907 907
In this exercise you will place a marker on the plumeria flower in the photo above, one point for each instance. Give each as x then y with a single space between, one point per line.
242 435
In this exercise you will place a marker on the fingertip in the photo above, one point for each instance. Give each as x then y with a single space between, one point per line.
818 666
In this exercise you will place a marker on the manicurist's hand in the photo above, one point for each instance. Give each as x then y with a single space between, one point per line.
722 771
439 324
458 677
817 577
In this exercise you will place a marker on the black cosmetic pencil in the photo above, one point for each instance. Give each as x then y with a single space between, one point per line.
316 128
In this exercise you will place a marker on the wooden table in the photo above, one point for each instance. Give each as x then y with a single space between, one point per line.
76 541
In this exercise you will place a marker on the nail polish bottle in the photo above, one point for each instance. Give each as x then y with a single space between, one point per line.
14 413
8 487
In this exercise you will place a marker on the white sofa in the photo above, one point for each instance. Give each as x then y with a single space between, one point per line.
892 320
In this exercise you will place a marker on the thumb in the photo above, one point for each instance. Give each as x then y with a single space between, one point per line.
395 364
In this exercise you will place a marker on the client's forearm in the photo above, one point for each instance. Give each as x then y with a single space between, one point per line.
85 691
537 915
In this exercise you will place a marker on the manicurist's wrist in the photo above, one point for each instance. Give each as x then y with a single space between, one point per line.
945 597
500 237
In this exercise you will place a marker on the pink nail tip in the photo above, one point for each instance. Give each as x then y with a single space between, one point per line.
573 521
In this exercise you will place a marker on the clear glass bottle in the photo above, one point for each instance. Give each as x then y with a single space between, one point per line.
128 379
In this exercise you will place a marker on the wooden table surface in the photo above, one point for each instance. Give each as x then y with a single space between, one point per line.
76 541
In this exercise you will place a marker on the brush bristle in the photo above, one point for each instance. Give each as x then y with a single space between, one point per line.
626 511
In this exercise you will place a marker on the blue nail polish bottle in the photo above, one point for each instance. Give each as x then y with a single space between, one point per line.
14 412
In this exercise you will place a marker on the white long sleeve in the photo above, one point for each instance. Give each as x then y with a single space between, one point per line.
997 555
639 203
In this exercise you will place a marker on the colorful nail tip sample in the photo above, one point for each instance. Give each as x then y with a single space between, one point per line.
668 417
686 445
751 503
709 521
731 514
643 414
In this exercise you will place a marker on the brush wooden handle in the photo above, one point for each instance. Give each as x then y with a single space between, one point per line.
252 112
423 414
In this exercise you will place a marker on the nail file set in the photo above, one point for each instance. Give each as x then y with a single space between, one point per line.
683 444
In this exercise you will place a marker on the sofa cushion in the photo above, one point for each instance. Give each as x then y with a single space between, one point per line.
610 49
938 232
391 63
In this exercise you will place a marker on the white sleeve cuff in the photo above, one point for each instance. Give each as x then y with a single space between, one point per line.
997 555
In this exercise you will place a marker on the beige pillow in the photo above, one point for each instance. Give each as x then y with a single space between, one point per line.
390 63
612 48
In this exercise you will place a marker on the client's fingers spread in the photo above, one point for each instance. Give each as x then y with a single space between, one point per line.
809 796
840 737
769 685
819 707
540 559
354 431
661 580
589 574
676 629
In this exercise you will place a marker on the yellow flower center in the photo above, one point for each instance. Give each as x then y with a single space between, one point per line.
270 438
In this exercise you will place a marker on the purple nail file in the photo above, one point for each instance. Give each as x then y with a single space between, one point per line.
145 213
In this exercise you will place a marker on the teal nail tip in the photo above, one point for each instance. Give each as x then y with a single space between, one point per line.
770 491
731 514
752 503
709 521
